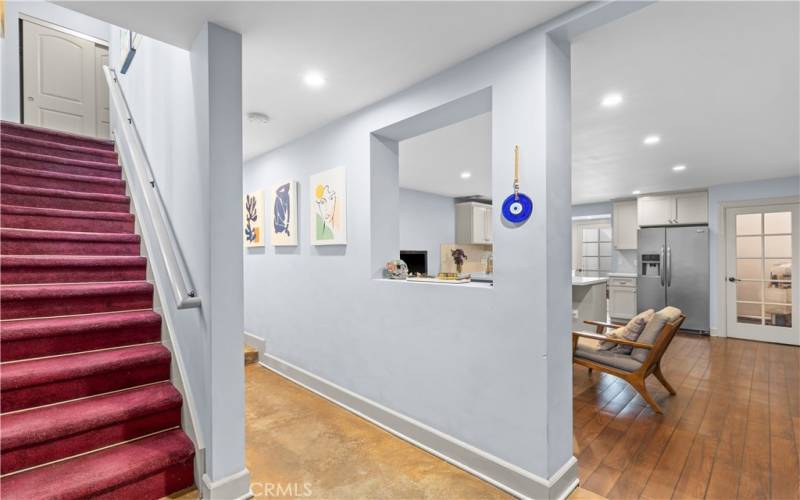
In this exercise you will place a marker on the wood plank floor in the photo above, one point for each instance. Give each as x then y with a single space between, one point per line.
732 430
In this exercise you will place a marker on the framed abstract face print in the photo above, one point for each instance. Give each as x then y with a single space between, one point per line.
328 207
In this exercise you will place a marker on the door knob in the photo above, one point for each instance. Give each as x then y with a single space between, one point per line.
732 279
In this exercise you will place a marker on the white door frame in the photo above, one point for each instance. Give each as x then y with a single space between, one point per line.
721 321
52 26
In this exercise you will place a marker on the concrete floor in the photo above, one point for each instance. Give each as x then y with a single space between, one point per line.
301 445
299 440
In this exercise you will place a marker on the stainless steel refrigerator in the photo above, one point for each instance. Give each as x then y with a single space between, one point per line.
673 271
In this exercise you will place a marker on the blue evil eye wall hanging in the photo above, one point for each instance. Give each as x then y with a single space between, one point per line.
517 207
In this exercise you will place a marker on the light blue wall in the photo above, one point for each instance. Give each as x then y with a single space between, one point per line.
490 367
735 192
589 209
426 222
45 11
187 108
160 90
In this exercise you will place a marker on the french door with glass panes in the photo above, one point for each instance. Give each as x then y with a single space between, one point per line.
594 249
763 251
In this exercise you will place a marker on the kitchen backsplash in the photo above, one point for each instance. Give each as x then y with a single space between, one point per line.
475 262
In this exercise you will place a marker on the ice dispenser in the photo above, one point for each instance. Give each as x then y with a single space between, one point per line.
651 264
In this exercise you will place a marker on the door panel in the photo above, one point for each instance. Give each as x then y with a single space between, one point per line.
687 274
762 254
652 280
622 302
60 67
58 75
58 120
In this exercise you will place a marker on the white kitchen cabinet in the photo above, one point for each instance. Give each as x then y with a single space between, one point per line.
626 225
622 298
691 208
671 209
655 210
473 223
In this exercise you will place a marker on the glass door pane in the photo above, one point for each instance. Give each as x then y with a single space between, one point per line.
764 268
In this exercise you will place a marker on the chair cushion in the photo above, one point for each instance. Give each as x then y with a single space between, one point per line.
609 358
631 332
654 327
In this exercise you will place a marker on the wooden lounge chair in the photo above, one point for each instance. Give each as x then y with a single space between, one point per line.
644 360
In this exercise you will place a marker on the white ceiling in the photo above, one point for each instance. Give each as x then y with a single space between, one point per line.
433 162
367 50
718 81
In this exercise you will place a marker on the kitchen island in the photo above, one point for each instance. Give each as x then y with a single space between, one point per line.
588 301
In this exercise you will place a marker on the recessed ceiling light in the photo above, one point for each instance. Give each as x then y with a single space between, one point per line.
636 192
314 79
652 139
679 168
611 100
258 117
466 175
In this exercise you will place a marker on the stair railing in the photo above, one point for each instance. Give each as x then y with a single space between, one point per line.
149 205
142 173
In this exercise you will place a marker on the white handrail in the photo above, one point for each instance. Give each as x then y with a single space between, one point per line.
140 172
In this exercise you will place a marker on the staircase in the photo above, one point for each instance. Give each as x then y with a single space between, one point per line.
87 406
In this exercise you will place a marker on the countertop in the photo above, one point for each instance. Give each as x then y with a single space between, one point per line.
587 280
622 275
472 284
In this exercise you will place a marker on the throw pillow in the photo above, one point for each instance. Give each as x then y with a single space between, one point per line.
616 333
653 329
631 332
633 329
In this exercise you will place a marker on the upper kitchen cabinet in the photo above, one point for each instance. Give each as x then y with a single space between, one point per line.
473 223
671 209
625 225
691 208
655 210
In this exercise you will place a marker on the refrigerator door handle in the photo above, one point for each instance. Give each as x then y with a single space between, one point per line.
669 266
663 265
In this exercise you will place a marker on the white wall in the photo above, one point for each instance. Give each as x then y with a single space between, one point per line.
45 11
160 90
490 367
426 222
187 107
736 192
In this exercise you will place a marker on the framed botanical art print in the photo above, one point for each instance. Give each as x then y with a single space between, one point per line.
253 219
328 207
283 227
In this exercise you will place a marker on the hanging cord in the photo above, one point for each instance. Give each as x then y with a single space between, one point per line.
516 172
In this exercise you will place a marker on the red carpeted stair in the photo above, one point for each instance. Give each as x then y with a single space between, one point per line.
87 406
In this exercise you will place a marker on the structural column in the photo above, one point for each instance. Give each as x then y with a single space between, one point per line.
217 66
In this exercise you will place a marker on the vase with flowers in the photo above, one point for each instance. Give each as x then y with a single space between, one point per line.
458 258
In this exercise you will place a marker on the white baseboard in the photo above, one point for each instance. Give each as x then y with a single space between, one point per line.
255 342
494 470
233 487
717 332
